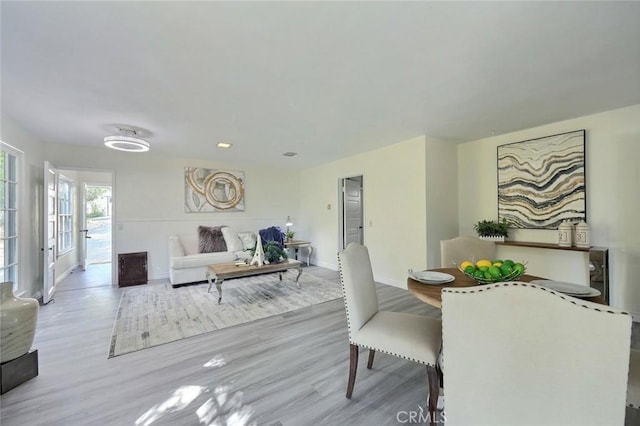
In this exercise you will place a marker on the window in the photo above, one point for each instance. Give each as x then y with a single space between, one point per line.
9 160
65 215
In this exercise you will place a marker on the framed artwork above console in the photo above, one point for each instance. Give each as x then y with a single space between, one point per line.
541 182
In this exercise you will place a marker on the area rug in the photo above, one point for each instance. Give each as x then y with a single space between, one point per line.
154 314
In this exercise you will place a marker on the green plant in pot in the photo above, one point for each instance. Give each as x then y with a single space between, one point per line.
274 252
290 235
491 229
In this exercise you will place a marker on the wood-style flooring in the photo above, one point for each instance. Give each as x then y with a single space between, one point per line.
284 370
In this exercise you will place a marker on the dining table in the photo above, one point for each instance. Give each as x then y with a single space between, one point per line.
432 293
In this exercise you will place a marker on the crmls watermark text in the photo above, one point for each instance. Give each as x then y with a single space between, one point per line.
420 416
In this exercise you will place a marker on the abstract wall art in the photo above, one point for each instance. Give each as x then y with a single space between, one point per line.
541 182
211 190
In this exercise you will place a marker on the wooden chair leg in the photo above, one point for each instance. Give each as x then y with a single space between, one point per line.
353 367
439 368
434 392
370 362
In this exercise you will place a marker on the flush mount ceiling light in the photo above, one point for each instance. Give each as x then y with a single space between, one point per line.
224 145
127 140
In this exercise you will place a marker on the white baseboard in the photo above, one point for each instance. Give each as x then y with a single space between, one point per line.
65 274
331 266
391 282
161 276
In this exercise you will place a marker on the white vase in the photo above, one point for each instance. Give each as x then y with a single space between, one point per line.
582 236
565 234
18 318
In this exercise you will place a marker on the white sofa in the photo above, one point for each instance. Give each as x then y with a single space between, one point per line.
187 265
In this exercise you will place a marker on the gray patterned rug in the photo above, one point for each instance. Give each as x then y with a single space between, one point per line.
154 314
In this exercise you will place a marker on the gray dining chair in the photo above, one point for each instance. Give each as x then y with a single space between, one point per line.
520 354
409 336
456 250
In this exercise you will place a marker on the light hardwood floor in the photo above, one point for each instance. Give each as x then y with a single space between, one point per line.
285 370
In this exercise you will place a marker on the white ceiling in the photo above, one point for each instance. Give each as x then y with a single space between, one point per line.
323 79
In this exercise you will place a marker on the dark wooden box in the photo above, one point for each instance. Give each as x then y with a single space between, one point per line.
132 269
18 371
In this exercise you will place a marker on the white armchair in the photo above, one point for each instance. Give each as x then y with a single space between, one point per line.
404 335
520 354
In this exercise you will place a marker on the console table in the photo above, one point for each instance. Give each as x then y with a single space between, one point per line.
297 244
540 245
598 258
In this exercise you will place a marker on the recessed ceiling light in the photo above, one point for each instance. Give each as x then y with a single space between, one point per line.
224 145
290 154
127 140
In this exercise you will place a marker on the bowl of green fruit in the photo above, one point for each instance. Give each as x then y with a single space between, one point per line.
492 271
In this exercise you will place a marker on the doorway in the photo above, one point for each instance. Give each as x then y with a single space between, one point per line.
97 202
94 231
352 212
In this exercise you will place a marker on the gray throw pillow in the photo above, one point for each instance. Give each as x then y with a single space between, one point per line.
210 239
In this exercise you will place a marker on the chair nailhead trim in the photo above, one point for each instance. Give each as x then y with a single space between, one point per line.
349 325
522 284
344 296
394 354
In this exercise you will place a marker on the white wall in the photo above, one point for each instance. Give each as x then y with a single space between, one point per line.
30 218
149 197
442 196
394 209
403 225
613 199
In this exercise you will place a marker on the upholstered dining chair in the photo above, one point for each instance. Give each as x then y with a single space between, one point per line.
413 337
633 388
457 250
520 354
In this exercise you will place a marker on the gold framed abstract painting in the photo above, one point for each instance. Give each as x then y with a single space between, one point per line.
212 190
541 182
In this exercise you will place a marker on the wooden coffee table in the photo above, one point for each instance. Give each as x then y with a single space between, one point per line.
224 271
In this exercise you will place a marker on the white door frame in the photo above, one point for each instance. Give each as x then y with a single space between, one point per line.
83 227
83 216
50 231
114 271
341 210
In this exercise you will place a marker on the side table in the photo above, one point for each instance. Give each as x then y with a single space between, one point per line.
297 244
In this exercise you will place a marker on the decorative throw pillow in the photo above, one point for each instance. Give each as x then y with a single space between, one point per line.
210 239
248 240
231 238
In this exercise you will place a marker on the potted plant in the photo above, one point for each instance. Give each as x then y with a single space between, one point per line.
289 235
274 252
492 230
